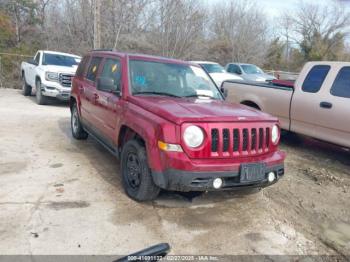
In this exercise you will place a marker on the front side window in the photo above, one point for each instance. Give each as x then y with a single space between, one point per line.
93 68
60 60
111 69
170 79
341 85
315 78
37 58
213 68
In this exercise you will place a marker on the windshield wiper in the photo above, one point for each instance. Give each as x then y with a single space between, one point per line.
199 95
155 93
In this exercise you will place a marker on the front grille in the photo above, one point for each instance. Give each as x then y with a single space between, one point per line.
240 141
66 80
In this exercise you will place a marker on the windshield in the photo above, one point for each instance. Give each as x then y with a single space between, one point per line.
176 80
60 60
213 68
251 69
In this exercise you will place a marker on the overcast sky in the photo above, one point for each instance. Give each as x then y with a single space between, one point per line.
274 8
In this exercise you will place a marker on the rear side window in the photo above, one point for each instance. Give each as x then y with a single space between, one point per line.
93 68
341 85
315 78
82 66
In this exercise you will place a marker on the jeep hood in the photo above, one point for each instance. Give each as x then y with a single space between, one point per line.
179 110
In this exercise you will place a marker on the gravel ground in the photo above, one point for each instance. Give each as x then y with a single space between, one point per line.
61 196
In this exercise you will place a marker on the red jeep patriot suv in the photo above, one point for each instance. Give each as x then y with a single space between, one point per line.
170 127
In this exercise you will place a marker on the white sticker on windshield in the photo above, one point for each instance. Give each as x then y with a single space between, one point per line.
201 92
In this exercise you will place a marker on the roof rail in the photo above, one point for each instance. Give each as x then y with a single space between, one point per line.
104 49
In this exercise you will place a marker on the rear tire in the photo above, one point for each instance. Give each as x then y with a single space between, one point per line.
78 131
40 98
136 174
26 89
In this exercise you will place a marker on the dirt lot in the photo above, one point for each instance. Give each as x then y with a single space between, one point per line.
61 196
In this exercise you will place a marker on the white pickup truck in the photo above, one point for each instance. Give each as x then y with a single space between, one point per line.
316 105
50 74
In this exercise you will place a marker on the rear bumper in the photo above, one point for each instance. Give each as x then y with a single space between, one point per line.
179 180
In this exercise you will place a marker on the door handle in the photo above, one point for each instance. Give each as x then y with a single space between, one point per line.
326 105
96 97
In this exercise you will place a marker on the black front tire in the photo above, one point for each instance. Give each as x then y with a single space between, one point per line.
40 98
136 174
78 131
26 89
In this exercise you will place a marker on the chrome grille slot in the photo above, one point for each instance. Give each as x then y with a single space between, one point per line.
65 80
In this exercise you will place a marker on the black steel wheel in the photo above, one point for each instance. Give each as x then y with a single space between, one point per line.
136 174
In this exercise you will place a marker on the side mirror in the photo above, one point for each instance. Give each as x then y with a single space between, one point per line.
32 62
224 91
106 84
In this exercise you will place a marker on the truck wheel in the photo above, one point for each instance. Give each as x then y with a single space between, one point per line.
26 89
136 175
40 98
78 131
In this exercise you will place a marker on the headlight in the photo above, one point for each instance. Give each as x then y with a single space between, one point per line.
193 136
50 76
275 134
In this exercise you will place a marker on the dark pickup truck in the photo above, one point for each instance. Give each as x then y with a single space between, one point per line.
170 127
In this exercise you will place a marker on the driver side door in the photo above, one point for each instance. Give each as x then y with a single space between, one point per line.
31 69
108 102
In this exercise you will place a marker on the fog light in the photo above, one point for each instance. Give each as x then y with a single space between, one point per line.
271 177
217 183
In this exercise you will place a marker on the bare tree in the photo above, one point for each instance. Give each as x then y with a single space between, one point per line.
241 29
124 21
97 24
22 14
69 25
318 30
178 27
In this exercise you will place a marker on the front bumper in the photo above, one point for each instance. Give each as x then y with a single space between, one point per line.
179 180
61 93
